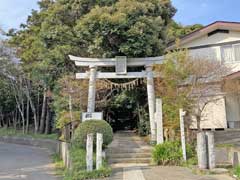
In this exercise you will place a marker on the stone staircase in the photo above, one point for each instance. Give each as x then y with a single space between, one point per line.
228 136
128 148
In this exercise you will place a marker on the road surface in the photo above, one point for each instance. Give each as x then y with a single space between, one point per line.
25 163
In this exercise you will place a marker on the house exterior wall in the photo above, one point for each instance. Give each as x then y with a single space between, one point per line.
226 112
233 110
214 39
213 116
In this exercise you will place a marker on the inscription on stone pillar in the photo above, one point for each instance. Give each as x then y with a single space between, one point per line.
121 65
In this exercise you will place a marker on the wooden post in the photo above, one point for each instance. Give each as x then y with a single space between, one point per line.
92 89
89 154
183 142
202 150
211 150
159 121
151 101
99 151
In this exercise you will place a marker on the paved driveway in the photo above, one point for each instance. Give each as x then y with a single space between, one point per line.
25 163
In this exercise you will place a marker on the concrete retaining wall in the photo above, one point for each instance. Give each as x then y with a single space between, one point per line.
225 155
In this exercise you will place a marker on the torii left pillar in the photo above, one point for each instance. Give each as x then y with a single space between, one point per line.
151 101
92 89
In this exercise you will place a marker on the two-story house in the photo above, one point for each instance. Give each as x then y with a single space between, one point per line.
218 41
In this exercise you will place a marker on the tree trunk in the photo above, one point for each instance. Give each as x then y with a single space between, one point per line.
38 108
23 118
15 119
36 122
2 119
20 111
42 120
70 107
48 119
31 103
198 118
27 118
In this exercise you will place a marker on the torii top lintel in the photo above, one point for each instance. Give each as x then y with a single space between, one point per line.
108 62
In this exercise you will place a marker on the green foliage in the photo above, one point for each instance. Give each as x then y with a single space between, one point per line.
92 126
176 30
175 71
130 28
100 28
78 156
68 100
64 118
59 165
122 109
19 133
95 174
78 171
143 124
170 153
236 171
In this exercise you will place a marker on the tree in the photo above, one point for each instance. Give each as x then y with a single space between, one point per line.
184 85
70 97
103 28
176 30
131 28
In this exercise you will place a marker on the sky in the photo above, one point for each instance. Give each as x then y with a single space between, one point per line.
15 12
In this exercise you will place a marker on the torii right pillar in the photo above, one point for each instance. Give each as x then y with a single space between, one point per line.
151 101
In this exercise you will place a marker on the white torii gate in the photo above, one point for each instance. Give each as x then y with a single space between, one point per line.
120 63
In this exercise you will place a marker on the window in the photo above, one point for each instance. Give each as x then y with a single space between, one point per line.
237 52
230 53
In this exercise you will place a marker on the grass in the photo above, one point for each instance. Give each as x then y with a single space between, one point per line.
59 165
18 133
190 163
78 171
236 172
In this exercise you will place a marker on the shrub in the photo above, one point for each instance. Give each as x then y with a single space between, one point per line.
92 126
95 174
78 170
170 153
143 124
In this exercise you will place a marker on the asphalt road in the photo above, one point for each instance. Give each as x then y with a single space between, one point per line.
25 163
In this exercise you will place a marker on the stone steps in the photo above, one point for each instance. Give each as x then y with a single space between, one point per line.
129 155
127 148
130 160
224 165
227 135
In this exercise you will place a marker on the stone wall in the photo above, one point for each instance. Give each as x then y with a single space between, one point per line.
64 152
225 155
